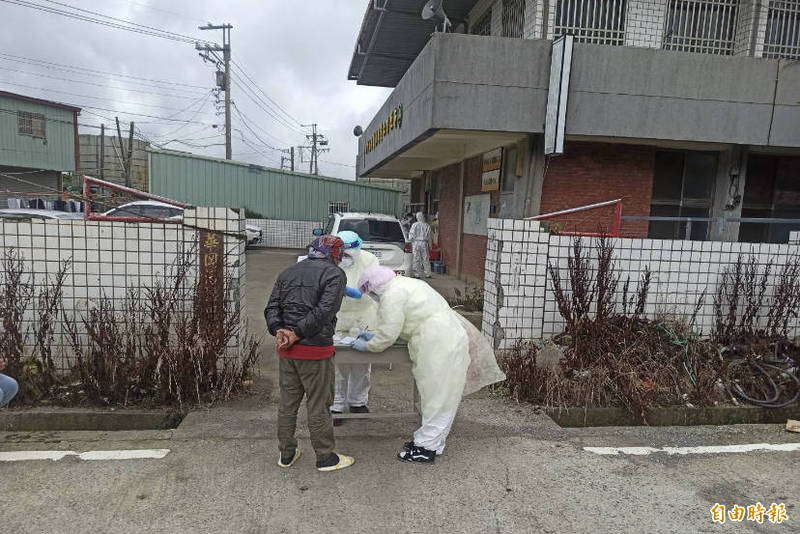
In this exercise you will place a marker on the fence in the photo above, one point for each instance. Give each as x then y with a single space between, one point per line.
113 262
284 234
520 304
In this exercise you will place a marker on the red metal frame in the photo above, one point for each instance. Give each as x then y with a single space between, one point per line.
614 228
88 182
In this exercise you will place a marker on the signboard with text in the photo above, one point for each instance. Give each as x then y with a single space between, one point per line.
490 178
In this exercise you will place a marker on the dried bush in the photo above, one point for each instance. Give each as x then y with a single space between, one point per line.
165 344
744 311
470 300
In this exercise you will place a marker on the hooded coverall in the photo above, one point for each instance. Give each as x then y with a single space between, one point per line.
353 381
450 358
420 236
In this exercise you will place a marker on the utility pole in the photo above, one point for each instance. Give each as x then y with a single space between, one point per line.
317 140
223 78
130 158
291 158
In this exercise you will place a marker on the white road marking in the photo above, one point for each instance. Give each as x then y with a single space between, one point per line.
132 454
709 449
123 454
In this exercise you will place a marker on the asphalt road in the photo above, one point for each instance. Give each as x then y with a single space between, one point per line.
505 469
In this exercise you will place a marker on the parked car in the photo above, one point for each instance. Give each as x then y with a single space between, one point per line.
32 213
155 209
383 235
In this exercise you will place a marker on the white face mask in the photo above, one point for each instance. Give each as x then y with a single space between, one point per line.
347 261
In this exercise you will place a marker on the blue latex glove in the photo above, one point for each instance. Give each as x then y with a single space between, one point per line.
352 292
366 335
360 345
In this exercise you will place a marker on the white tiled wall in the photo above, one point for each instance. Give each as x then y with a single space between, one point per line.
109 258
285 234
644 24
519 302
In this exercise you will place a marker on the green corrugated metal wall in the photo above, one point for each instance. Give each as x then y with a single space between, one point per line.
55 153
275 194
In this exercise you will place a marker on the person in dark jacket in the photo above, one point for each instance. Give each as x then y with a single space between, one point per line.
301 314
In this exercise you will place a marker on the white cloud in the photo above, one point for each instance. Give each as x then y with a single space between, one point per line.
298 53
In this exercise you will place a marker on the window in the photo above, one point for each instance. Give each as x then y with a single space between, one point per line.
338 207
592 21
374 230
683 186
706 26
772 190
509 170
484 24
513 18
32 124
782 38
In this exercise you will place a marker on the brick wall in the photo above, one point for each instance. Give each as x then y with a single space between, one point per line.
448 214
594 172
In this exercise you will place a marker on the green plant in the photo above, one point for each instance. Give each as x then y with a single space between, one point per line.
470 300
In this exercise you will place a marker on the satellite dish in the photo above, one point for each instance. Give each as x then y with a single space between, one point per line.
434 10
357 131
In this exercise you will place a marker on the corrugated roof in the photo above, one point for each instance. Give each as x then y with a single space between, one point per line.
392 34
50 103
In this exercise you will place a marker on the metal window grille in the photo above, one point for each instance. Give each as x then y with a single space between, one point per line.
782 38
513 18
338 207
592 21
706 26
484 24
32 124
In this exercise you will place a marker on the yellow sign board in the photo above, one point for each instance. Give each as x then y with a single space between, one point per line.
492 163
394 120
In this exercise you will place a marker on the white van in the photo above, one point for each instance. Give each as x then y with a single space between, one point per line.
383 235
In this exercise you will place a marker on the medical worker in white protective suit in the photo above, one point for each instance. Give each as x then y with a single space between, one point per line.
352 381
420 237
450 357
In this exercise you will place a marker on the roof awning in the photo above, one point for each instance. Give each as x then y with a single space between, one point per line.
392 35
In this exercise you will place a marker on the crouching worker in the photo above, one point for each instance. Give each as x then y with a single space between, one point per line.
353 381
301 314
450 357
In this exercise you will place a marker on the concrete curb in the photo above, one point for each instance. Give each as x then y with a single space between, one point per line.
67 420
673 416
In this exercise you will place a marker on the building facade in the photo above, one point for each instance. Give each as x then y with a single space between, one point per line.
38 142
686 110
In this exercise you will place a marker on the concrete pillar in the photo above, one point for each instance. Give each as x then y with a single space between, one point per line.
534 175
731 176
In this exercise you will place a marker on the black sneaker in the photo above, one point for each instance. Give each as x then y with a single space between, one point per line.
337 422
359 409
417 454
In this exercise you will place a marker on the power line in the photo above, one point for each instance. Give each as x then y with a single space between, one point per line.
87 96
81 70
254 84
261 103
111 22
252 122
72 80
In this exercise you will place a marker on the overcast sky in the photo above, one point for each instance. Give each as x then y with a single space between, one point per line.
297 52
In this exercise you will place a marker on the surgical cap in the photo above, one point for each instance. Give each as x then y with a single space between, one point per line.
351 240
375 278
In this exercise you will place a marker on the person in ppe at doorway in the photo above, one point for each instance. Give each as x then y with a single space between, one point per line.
449 357
301 314
353 381
420 237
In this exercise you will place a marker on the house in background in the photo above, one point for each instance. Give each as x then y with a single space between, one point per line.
684 109
38 142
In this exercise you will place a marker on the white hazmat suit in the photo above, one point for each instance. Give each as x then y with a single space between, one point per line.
450 357
420 237
353 381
